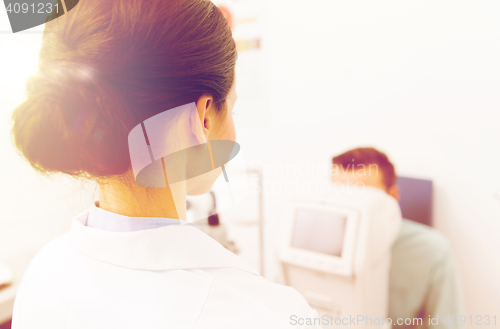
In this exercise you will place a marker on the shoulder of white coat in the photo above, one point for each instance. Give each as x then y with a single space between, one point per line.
283 300
52 255
292 301
47 260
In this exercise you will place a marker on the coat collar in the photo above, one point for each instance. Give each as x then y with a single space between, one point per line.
173 247
108 221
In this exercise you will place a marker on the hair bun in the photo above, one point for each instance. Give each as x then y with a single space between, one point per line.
106 66
59 126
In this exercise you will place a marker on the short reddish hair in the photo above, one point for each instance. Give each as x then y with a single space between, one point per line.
365 156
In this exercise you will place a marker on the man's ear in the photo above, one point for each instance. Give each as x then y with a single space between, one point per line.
394 191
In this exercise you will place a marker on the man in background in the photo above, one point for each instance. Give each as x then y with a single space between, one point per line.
423 277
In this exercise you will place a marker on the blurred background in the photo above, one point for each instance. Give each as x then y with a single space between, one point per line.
419 80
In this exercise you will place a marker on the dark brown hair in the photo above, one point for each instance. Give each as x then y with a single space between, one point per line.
365 156
106 66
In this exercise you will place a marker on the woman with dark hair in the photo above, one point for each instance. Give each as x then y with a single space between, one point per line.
105 67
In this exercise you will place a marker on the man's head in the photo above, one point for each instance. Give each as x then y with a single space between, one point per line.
368 166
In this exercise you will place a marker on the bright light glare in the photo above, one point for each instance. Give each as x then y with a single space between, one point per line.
18 60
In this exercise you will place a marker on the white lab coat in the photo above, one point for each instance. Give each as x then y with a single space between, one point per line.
170 277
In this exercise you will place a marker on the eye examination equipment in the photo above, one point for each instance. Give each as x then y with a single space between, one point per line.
244 224
337 254
206 205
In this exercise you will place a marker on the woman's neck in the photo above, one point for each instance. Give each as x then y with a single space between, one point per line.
126 197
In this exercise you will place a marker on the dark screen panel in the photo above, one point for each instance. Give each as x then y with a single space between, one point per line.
416 199
319 231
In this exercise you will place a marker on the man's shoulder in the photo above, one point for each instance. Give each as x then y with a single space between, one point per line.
426 237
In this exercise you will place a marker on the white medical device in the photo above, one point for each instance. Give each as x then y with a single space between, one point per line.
322 238
337 255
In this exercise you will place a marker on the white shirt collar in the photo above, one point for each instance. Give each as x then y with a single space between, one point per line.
172 247
105 220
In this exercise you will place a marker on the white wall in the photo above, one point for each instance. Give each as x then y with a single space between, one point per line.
419 80
34 209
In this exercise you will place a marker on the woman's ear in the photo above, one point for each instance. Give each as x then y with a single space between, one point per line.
197 128
200 122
